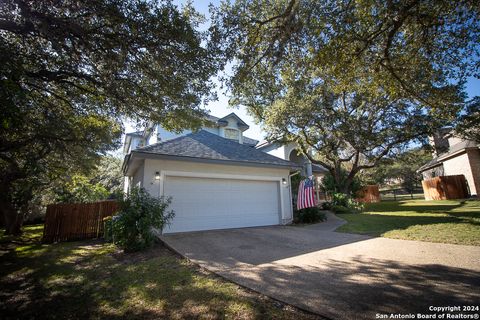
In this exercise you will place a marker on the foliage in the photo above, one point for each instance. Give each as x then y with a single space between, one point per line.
140 215
80 189
43 149
342 203
403 168
104 181
108 228
72 69
108 173
351 82
343 200
308 215
330 185
468 125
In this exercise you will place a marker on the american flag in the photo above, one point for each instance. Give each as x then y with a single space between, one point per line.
306 194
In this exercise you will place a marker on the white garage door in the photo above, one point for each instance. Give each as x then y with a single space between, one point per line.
206 204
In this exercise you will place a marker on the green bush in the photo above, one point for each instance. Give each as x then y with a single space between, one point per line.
327 205
107 229
309 215
340 209
341 203
330 186
140 217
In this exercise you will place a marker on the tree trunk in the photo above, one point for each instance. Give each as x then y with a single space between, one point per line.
12 218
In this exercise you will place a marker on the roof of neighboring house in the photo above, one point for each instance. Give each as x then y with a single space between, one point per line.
209 146
455 149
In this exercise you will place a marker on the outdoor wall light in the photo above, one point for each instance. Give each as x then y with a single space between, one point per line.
284 181
157 175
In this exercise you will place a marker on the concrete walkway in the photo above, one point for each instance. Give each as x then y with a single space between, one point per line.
338 275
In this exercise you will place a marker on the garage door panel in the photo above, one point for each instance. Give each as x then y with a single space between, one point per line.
204 203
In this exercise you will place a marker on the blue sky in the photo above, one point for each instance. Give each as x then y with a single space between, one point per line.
221 108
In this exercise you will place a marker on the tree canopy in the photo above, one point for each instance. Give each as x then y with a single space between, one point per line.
71 70
351 81
401 170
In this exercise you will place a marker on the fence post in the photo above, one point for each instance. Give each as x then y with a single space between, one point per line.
394 195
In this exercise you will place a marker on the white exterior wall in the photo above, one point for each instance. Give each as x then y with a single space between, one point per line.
279 151
155 187
168 135
126 184
135 143
460 165
138 178
274 150
211 130
474 158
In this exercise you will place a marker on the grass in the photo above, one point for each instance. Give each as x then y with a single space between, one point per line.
448 221
93 280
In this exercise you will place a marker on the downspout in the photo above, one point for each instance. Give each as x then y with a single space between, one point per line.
290 189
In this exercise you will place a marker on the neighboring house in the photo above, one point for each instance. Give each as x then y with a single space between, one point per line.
216 177
454 156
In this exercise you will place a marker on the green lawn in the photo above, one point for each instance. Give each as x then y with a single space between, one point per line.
92 280
448 221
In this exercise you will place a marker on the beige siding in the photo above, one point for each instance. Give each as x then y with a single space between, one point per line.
460 165
474 158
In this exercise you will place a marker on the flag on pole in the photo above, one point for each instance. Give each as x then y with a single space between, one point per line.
306 194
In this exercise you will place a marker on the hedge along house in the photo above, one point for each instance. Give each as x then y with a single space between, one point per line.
216 177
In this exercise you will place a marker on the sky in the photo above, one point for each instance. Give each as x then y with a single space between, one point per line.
221 108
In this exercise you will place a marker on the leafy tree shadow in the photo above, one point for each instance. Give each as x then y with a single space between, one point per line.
82 281
362 287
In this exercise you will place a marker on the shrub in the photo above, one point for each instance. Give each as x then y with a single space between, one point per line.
341 203
107 229
327 205
340 209
141 216
309 215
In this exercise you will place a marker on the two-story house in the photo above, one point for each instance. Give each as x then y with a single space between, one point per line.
217 177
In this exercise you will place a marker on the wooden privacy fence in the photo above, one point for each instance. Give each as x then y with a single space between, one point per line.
76 221
445 187
369 194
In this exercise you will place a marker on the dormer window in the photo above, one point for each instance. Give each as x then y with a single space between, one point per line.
232 134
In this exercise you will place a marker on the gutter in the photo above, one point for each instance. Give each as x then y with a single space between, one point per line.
126 160
440 159
218 161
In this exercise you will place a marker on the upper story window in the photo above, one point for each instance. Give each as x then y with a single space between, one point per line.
231 134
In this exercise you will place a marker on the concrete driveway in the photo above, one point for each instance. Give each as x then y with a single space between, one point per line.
338 275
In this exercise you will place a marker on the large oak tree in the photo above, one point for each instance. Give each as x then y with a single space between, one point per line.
70 70
351 81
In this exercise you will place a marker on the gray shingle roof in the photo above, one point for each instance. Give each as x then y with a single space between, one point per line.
250 141
465 144
206 145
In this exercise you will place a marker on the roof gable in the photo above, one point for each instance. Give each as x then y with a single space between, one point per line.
241 124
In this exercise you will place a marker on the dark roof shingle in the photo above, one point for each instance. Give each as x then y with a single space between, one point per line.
465 144
206 145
